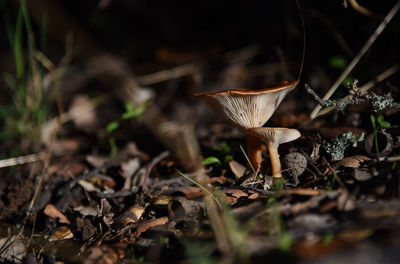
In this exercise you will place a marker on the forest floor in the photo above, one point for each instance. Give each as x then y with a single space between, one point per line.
108 157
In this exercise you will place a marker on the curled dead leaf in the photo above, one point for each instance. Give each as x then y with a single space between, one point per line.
237 168
232 195
351 162
182 207
162 200
51 211
149 224
61 233
131 216
361 174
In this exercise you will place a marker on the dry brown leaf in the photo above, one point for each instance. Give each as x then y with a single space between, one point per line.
362 174
182 207
232 195
85 210
51 211
253 196
131 216
351 162
106 254
355 235
96 161
88 186
162 200
61 233
237 168
82 112
345 202
128 169
67 169
149 224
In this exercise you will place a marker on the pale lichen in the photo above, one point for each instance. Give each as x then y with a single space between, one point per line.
338 145
357 96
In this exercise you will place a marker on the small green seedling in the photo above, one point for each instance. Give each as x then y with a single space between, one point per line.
130 112
224 149
211 160
378 124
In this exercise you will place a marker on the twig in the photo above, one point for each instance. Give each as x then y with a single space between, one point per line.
389 159
168 74
357 58
335 174
152 164
381 77
356 6
22 160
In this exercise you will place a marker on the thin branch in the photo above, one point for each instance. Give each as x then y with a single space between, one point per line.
22 160
357 58
381 77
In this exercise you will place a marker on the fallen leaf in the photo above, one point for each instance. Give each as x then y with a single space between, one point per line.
82 112
232 195
96 161
362 174
88 186
128 169
237 168
131 216
182 207
350 162
51 211
61 233
149 224
162 200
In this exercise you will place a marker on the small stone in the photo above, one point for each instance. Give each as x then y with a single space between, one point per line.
295 163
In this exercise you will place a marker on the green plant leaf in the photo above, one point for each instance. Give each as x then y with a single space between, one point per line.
328 238
385 124
373 121
228 158
112 126
132 112
17 46
211 160
380 119
338 62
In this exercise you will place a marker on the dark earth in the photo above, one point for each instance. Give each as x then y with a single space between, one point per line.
106 155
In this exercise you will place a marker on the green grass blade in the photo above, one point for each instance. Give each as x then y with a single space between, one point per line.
201 186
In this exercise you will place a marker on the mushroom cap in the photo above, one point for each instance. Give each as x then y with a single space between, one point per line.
247 108
275 135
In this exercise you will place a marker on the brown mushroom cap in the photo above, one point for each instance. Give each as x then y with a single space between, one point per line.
247 108
275 135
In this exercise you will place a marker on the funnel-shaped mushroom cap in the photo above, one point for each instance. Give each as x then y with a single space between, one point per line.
275 135
247 108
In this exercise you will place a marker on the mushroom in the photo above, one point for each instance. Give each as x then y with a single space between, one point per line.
274 136
248 109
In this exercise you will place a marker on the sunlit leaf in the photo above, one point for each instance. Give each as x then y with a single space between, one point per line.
211 160
112 126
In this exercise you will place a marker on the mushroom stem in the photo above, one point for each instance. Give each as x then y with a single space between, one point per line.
275 161
254 150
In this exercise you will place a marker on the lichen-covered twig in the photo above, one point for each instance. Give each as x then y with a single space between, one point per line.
367 86
357 58
357 96
337 146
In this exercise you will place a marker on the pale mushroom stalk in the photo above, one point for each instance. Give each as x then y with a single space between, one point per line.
274 136
254 150
248 109
275 161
